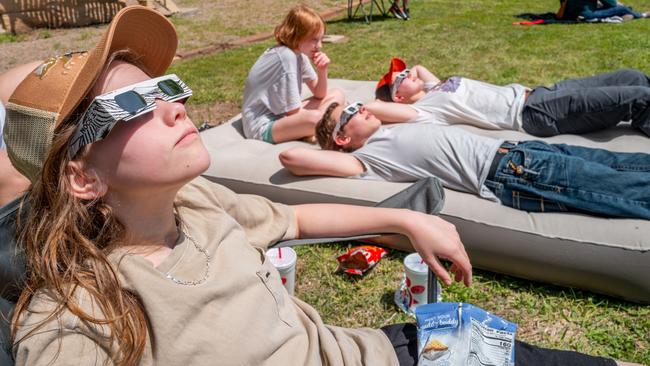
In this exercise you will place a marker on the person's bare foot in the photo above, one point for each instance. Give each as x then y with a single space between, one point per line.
646 14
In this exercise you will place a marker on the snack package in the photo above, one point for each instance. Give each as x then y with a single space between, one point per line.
451 334
360 259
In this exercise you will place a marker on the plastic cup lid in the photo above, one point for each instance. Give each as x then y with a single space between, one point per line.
282 258
414 263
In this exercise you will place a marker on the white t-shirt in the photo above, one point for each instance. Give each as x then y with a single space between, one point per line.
459 100
3 115
409 152
273 88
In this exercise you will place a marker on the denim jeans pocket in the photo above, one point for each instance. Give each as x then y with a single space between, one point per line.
495 187
539 164
533 179
518 165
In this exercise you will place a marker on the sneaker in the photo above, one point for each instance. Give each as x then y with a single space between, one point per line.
406 12
395 10
627 17
614 19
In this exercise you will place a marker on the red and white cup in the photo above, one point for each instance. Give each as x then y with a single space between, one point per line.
284 260
414 290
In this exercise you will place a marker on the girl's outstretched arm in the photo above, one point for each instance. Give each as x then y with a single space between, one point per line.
389 112
429 235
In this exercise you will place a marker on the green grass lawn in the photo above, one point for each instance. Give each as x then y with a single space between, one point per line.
475 39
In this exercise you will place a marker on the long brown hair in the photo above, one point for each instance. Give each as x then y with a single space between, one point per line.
66 242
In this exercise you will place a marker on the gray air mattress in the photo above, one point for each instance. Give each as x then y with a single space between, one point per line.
609 256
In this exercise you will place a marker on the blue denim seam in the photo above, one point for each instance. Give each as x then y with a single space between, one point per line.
539 199
523 181
558 189
631 168
497 187
619 167
614 198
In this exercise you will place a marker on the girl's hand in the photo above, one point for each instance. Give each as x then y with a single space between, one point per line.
435 238
320 60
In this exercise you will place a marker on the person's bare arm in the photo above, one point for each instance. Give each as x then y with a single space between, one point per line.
390 112
424 74
10 79
430 235
318 87
12 183
302 161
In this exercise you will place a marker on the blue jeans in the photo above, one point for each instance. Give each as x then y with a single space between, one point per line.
618 10
589 104
541 177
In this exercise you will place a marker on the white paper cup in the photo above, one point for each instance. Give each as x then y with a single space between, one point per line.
284 260
414 290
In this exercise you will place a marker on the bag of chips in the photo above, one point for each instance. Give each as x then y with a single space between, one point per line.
359 260
452 334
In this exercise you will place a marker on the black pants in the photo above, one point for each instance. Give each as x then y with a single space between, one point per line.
5 350
589 104
404 340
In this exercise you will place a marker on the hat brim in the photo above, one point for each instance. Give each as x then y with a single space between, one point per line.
141 30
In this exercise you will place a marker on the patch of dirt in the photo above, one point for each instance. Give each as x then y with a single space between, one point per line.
210 23
215 114
43 43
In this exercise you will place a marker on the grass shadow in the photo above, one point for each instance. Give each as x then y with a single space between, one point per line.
388 298
360 19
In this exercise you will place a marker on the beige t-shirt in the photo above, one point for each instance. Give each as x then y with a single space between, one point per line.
240 315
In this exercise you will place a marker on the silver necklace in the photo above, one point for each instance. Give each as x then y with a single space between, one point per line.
207 265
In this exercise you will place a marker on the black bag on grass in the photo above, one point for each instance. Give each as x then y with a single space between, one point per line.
12 272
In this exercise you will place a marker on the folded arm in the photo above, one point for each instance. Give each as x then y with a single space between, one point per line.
424 74
302 161
390 112
318 87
